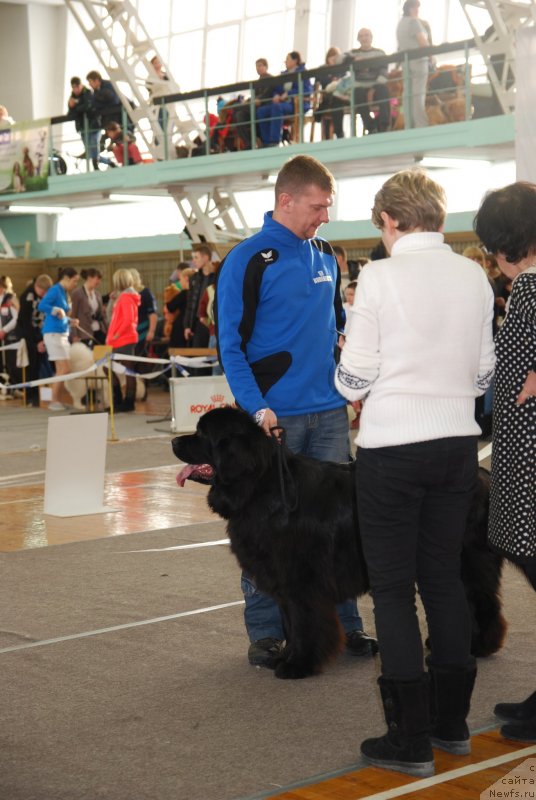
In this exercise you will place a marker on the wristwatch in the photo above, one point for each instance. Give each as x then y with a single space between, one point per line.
258 416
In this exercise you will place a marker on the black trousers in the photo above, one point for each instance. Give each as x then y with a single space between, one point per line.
380 99
413 502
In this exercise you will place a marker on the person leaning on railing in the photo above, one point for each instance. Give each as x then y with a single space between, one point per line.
270 117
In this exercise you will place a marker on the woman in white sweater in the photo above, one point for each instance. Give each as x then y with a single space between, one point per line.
419 351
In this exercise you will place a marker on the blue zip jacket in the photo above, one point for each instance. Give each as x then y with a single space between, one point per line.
277 309
56 297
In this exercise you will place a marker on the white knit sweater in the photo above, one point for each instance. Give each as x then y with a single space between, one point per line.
420 345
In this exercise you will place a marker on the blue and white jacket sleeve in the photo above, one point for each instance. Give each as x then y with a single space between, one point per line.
359 364
231 339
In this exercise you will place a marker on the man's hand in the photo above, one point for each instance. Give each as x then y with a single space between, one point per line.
528 390
41 347
266 419
188 333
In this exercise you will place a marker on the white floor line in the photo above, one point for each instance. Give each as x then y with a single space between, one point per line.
180 546
7 478
114 628
444 777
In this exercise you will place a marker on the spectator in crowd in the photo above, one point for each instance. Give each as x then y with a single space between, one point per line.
157 85
173 288
81 109
9 311
271 115
270 306
107 103
412 34
88 308
349 297
147 314
195 332
120 141
176 307
370 88
29 328
330 111
242 112
417 463
122 334
56 306
506 225
5 118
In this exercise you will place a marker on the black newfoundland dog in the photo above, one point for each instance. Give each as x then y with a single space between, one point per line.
292 523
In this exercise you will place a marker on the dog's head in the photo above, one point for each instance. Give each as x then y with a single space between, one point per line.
227 446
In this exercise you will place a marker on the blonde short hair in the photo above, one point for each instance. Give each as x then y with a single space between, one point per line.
43 281
475 254
413 199
122 279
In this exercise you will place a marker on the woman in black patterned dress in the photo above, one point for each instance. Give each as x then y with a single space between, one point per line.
506 225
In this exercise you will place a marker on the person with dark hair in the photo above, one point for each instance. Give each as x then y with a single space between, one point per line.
196 332
242 111
417 353
88 308
270 117
506 226
413 33
277 292
87 122
120 141
370 87
29 328
56 306
330 111
106 100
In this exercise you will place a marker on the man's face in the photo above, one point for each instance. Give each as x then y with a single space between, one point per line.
304 213
261 68
77 89
94 83
364 37
199 259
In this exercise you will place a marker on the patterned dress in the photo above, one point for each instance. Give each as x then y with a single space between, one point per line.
512 523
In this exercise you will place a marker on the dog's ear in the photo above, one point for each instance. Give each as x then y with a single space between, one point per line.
235 458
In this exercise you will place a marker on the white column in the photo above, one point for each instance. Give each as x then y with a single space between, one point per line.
525 112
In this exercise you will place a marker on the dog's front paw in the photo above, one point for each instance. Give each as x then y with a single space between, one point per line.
291 671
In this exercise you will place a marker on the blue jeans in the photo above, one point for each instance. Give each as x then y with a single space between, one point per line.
91 144
324 436
270 119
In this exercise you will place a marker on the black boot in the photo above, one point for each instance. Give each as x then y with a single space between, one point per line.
517 712
406 745
130 394
524 731
451 687
117 396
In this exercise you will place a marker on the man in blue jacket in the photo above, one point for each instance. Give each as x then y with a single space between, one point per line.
278 308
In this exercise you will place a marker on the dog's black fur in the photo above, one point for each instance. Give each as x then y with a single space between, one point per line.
294 529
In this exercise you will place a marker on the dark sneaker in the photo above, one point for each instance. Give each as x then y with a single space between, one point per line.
358 643
265 652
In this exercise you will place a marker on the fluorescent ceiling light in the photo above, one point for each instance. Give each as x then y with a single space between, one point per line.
136 198
38 209
431 162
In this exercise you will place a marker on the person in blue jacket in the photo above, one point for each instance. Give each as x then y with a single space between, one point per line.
278 307
56 306
270 116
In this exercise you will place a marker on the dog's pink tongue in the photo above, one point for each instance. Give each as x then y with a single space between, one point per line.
185 473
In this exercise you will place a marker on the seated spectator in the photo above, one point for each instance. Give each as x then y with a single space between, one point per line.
331 108
82 110
270 117
117 145
242 113
370 85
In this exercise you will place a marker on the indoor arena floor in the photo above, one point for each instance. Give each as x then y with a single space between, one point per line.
123 652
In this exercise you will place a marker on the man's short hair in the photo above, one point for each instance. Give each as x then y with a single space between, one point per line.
93 76
262 61
75 81
413 199
112 126
301 172
202 248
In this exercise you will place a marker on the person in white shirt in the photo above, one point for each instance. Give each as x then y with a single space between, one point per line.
419 351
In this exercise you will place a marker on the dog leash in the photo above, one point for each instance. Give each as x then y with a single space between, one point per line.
282 468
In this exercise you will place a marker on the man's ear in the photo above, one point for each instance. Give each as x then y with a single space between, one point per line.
390 224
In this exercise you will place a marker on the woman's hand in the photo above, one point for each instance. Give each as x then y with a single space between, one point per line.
528 390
